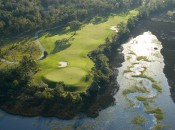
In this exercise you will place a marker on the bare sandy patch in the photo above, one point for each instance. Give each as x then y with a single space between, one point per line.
114 28
62 64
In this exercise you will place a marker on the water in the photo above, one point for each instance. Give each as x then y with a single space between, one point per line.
151 65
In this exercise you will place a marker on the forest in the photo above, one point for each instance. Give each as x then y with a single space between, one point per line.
20 16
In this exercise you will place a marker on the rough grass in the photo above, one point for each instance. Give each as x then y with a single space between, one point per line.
89 37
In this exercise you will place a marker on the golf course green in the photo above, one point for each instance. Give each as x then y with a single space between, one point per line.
63 45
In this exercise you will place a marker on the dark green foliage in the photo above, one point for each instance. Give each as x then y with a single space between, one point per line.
98 20
19 16
61 45
13 79
74 25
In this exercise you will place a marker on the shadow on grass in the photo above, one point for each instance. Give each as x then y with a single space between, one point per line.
58 31
70 88
60 45
66 88
98 20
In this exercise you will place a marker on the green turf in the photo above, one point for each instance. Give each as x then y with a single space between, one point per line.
89 37
70 73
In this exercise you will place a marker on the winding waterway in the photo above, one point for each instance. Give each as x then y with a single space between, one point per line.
143 68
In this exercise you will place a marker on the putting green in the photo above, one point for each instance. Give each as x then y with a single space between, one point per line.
75 52
73 75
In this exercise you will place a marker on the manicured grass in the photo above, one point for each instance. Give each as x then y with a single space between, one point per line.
71 78
89 37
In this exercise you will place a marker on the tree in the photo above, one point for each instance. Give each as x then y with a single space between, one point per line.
28 66
75 25
2 24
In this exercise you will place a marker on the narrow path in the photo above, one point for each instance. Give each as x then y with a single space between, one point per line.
40 45
7 61
43 51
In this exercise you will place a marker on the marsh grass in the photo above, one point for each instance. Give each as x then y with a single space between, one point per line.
138 120
140 98
158 126
157 112
144 58
145 76
134 89
128 69
132 53
158 88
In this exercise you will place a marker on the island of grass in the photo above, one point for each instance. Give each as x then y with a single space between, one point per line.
62 44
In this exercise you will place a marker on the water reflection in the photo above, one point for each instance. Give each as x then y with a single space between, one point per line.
165 32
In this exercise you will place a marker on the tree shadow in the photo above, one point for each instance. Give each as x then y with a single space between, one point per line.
57 31
98 20
61 45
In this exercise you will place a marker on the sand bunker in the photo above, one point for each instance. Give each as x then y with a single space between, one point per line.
62 64
114 28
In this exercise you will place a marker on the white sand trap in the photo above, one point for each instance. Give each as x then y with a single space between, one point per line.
114 28
62 64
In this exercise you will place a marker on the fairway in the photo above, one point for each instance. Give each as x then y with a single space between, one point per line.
63 45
